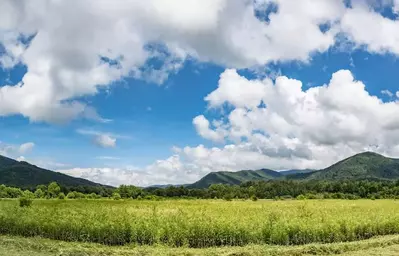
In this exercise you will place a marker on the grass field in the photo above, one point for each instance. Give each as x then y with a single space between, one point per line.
201 223
18 246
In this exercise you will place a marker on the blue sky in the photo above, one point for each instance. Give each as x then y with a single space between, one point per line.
179 91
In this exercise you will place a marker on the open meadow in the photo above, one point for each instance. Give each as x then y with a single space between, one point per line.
201 223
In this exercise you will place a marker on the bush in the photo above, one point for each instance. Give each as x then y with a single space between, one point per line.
61 195
25 202
254 198
116 196
228 197
301 197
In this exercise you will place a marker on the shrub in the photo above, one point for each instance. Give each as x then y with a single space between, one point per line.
61 195
39 193
28 194
25 202
254 198
228 197
116 196
301 197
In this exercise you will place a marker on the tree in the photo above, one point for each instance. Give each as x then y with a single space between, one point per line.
39 193
28 194
126 191
116 196
53 189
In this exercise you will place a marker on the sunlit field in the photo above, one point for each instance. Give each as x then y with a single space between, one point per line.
201 223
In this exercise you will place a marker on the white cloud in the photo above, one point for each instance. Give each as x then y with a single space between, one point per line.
76 48
108 158
387 93
102 139
202 126
168 171
26 147
15 151
105 141
368 28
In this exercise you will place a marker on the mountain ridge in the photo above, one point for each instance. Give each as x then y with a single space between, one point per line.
25 175
361 166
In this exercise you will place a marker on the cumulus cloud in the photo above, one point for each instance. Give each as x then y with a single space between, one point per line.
26 147
168 171
75 48
282 126
102 139
202 126
292 122
105 141
15 151
366 27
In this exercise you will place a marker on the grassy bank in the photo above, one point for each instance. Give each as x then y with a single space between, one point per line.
201 223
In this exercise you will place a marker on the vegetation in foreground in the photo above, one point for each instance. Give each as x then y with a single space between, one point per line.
18 246
201 223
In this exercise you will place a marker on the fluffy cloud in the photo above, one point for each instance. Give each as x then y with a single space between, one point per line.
26 147
168 171
365 27
281 126
102 139
75 48
202 126
290 122
105 141
15 151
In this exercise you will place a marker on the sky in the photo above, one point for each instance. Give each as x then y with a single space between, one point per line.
164 92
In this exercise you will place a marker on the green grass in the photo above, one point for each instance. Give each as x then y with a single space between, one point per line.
18 246
201 223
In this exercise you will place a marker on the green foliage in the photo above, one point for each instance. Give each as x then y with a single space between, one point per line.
25 202
28 194
301 197
76 195
53 189
201 223
61 196
39 193
126 191
116 196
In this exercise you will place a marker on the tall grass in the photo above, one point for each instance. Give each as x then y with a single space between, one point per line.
201 223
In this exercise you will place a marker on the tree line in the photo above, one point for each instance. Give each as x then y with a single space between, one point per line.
249 190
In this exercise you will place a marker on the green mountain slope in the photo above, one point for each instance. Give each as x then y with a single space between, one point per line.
235 178
367 165
25 175
5 161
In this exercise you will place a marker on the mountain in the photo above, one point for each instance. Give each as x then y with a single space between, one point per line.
5 161
296 171
367 165
235 178
25 175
